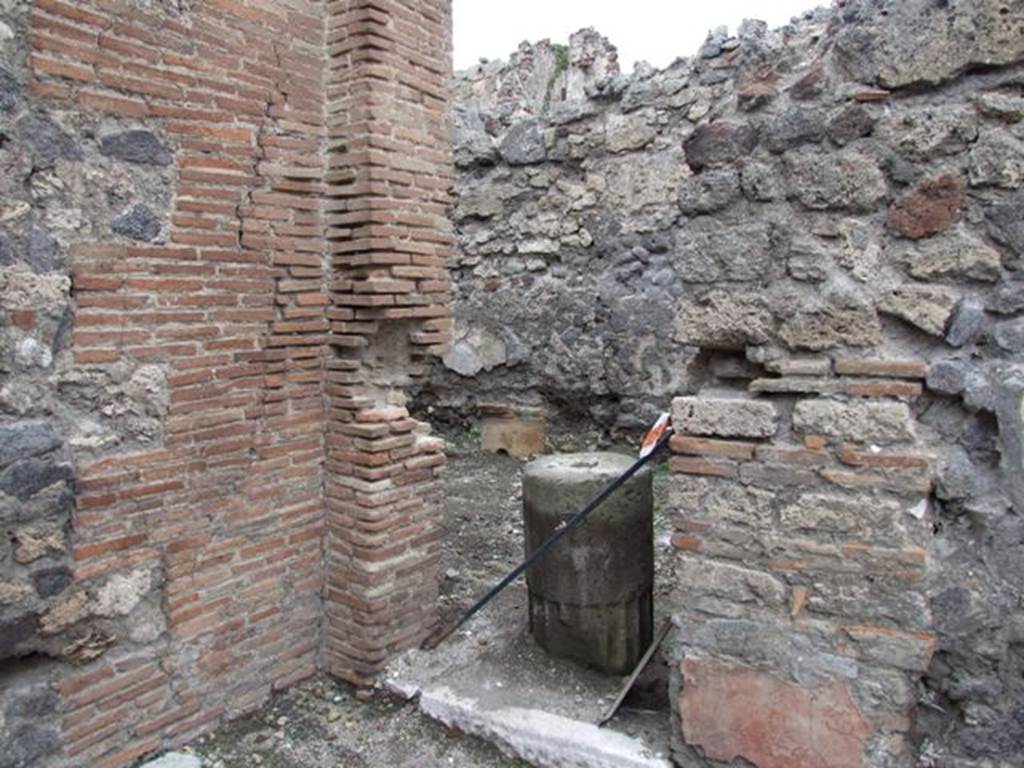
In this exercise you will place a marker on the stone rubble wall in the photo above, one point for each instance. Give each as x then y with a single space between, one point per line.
220 265
813 235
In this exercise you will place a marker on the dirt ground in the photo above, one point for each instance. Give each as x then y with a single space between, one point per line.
322 722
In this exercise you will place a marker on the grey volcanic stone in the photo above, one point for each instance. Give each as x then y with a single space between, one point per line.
709 249
795 126
859 421
709 191
967 323
137 146
47 141
719 144
138 223
26 478
7 256
849 124
36 701
30 743
843 181
523 144
1007 298
19 441
948 38
1006 222
51 581
14 631
1009 335
9 90
725 417
44 252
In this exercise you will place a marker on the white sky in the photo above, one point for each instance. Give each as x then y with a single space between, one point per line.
657 31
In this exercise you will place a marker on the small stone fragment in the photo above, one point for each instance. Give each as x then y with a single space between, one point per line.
929 207
1009 335
523 144
725 417
927 307
137 146
718 144
138 223
967 323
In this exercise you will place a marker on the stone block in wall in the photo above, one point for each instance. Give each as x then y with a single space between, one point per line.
863 422
519 432
725 417
732 712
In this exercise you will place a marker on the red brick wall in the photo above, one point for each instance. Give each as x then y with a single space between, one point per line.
302 286
389 174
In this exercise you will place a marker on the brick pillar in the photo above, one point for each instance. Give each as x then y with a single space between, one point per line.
388 179
802 534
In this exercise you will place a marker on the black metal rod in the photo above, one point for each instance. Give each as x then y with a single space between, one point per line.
573 522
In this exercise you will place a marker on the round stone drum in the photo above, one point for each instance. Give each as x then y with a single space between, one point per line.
591 595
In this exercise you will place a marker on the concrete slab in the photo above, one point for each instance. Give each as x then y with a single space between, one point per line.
491 680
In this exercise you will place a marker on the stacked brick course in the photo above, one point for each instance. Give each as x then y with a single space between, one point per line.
276 311
389 240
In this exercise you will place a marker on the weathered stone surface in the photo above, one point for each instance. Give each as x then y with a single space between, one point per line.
709 191
523 144
122 592
840 514
1009 335
30 743
794 127
719 143
829 327
44 252
724 417
720 501
762 182
136 146
947 377
858 421
712 249
967 323
927 133
929 207
847 181
39 540
630 131
753 96
1007 298
51 581
725 581
849 124
955 255
996 160
1006 222
26 439
14 592
927 307
137 223
735 712
47 140
9 90
25 479
948 39
723 320
1009 401
1005 106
